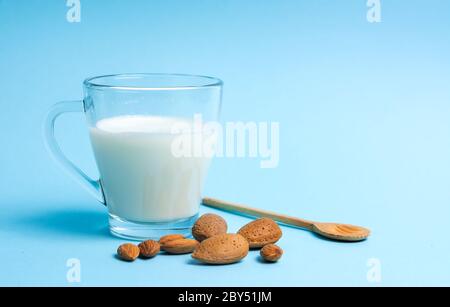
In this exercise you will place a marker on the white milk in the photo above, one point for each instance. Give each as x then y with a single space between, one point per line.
142 180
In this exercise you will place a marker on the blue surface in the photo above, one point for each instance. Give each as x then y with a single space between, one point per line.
363 108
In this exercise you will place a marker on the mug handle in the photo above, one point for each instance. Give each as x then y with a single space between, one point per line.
93 186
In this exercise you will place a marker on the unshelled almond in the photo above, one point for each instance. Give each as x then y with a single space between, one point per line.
222 249
128 252
149 249
261 232
209 225
164 239
180 246
271 252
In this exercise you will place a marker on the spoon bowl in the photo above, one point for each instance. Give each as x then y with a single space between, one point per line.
341 232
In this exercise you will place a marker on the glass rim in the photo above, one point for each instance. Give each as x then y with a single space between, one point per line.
91 83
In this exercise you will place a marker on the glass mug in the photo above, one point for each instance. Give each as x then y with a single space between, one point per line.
147 189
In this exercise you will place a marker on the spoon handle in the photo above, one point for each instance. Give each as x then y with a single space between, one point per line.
238 208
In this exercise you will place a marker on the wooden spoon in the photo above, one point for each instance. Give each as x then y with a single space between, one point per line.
334 231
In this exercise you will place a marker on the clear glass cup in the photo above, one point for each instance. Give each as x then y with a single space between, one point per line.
149 191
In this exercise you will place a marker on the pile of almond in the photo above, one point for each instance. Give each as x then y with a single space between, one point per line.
212 244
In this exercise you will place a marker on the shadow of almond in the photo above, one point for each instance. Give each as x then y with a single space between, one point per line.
192 261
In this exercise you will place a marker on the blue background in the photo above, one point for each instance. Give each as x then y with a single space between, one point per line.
364 118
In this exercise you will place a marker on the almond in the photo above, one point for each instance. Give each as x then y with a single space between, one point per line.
128 252
170 237
271 252
209 225
180 246
261 232
222 249
149 248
